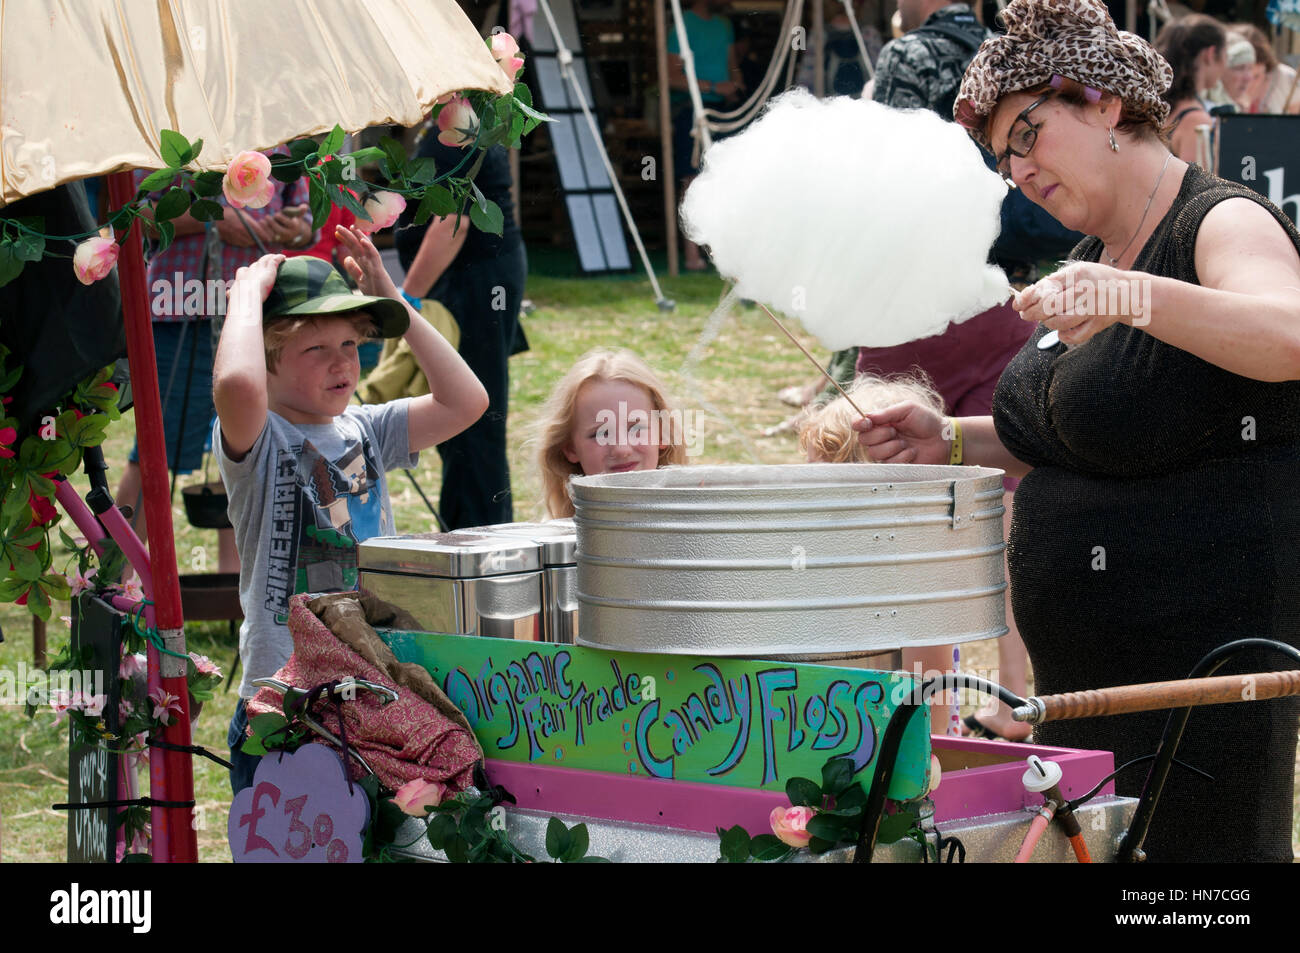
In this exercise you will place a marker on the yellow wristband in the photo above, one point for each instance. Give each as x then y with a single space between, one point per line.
957 451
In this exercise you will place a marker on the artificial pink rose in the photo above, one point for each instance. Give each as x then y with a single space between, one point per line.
416 797
790 825
384 208
457 123
94 259
248 181
506 52
204 665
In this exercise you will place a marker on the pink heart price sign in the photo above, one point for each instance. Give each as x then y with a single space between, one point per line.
299 810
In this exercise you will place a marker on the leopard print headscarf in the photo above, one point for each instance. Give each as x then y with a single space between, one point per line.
1075 39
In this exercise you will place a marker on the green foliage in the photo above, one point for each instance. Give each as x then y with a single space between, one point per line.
838 803
501 120
467 829
737 847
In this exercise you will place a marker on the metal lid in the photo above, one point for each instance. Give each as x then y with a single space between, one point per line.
458 555
557 538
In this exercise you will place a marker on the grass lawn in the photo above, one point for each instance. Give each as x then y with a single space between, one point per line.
730 382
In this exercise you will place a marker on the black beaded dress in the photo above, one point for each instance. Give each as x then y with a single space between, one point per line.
1160 520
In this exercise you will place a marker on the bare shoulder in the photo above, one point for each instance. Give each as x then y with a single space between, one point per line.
1239 235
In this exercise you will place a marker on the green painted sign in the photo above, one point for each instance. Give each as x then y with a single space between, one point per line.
739 722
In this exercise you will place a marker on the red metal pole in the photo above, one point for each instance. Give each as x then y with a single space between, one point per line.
171 773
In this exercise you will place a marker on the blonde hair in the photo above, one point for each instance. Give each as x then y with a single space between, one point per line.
828 432
555 424
277 334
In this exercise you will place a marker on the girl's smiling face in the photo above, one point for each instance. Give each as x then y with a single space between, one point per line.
615 429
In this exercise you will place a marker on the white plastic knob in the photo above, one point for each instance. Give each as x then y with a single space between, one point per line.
1041 775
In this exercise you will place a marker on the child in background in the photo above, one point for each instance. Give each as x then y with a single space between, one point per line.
608 414
827 436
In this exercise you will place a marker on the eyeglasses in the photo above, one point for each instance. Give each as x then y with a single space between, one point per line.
1021 138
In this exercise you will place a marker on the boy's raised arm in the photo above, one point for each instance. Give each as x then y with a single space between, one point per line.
239 369
457 398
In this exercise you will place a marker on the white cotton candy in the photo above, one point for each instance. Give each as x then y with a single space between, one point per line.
870 225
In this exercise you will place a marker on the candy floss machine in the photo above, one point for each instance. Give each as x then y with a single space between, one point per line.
806 561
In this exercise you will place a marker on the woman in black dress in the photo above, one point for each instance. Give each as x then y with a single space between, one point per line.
1159 439
479 278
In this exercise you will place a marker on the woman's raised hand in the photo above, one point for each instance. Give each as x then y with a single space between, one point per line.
905 433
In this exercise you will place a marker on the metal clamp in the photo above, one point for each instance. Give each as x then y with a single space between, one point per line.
1032 711
963 503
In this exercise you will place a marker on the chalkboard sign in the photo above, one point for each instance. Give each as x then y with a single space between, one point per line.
92 771
1263 153
743 723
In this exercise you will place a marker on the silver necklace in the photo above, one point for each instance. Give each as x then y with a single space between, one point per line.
1150 198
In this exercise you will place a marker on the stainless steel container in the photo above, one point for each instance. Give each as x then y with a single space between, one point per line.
558 540
808 560
462 584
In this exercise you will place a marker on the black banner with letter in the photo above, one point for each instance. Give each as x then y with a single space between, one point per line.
92 771
1263 153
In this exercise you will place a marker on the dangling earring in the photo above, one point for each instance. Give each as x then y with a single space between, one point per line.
1114 146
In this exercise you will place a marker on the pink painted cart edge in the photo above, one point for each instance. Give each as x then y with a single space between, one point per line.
688 805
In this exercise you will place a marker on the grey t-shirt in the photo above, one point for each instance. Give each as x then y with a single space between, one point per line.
300 501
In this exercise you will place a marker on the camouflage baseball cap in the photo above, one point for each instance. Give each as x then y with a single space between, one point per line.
305 286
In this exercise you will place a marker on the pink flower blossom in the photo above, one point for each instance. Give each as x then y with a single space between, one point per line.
92 705
141 843
60 700
132 664
384 208
506 52
133 589
247 183
790 825
94 259
7 436
204 665
66 620
416 797
80 583
124 708
164 703
457 123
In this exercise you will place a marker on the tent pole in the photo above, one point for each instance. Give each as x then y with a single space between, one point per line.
666 166
819 49
565 58
171 773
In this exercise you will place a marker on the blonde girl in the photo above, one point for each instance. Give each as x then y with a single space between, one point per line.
608 414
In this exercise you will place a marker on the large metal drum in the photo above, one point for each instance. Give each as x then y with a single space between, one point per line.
807 560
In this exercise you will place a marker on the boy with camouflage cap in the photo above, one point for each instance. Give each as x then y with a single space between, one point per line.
304 466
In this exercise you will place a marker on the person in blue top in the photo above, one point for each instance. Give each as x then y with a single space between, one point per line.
713 47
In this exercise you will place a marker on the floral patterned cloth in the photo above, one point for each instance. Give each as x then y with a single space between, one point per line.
421 735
